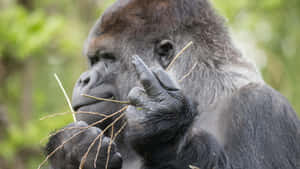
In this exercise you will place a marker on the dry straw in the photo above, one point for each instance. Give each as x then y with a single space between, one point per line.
107 100
66 96
189 73
180 53
79 112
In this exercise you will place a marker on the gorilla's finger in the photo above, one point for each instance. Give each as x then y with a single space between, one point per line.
147 78
137 96
116 161
165 79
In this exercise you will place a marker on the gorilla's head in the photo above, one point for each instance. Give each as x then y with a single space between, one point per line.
157 30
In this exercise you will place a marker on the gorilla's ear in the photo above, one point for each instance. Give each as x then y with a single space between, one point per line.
165 50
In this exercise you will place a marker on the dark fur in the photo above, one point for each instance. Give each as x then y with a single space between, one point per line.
224 116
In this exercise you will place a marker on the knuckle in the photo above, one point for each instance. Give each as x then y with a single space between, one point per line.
105 141
94 131
135 93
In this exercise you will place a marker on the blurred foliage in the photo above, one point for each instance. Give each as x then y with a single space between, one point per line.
42 37
25 34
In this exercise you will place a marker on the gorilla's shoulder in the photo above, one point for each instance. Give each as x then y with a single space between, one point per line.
261 98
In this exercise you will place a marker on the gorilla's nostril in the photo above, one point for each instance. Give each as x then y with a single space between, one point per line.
86 81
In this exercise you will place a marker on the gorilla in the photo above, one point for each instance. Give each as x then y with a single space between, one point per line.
222 116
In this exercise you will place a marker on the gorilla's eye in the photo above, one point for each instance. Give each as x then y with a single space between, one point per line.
94 60
108 57
165 51
103 56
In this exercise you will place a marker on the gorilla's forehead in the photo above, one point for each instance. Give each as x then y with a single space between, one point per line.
139 19
133 15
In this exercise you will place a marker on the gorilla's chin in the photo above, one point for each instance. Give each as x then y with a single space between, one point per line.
88 113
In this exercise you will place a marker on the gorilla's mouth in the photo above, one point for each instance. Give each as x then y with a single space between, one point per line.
86 101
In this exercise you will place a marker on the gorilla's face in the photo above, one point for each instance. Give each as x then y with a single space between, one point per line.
119 34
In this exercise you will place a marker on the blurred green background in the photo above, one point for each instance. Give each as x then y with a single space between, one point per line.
41 37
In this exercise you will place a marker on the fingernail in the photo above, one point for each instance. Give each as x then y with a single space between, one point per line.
134 59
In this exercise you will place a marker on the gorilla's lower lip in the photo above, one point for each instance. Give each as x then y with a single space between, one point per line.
83 105
88 101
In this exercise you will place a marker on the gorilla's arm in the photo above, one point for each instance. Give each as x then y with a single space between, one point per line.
261 129
202 151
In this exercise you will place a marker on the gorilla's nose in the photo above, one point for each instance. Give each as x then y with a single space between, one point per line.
87 80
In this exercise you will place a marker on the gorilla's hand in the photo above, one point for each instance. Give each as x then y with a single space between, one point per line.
159 112
70 155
